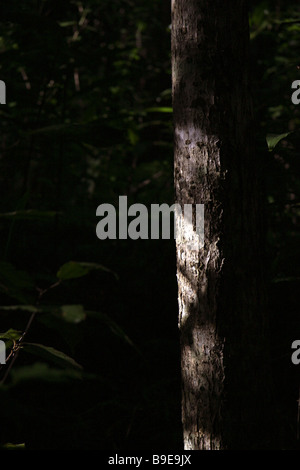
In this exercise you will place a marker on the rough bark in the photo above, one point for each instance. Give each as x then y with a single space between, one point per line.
221 286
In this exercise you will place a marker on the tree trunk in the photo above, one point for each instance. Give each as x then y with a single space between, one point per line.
221 285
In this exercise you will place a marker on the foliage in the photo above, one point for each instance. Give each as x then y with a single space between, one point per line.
274 30
89 118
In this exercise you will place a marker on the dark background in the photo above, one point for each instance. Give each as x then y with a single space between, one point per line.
88 118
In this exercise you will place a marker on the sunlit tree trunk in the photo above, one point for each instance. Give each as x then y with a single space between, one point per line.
221 286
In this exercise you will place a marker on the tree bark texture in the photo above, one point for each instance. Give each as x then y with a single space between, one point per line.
221 285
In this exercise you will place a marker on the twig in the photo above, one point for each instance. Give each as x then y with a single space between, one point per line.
18 344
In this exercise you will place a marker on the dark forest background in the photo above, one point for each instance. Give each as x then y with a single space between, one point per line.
89 118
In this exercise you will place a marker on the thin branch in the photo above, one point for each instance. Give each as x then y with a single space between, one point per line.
18 344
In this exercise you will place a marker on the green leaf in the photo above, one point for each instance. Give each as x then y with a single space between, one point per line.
133 137
42 371
114 327
15 283
274 139
59 129
73 313
286 279
161 109
10 446
11 334
71 270
64 24
70 313
51 354
25 308
30 214
74 269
